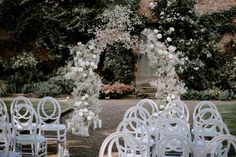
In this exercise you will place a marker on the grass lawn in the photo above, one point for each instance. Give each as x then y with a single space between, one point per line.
228 113
64 104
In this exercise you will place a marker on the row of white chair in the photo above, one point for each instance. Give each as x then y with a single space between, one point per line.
33 127
160 133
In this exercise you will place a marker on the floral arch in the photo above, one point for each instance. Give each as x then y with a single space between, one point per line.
118 26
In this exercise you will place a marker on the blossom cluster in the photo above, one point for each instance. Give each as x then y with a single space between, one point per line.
87 82
164 58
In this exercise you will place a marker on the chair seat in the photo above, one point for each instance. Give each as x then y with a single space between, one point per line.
53 127
10 154
25 139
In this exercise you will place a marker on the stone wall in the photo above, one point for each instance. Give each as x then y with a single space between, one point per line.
204 6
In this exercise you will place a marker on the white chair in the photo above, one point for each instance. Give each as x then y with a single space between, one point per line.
221 146
174 112
19 100
138 112
139 130
174 126
203 105
6 140
3 111
51 127
181 105
164 147
149 105
126 146
206 131
25 125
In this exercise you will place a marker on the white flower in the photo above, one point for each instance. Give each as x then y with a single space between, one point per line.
84 74
155 114
86 103
80 60
91 114
196 68
209 55
168 39
85 110
79 43
92 64
162 107
83 97
94 56
80 114
168 98
151 46
78 52
87 63
172 96
91 47
162 13
155 31
77 104
152 5
86 95
82 64
159 36
80 69
89 118
172 29
170 56
171 48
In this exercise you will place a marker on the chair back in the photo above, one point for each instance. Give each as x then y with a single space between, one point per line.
138 129
177 103
203 105
174 112
149 105
125 144
5 135
165 147
138 112
19 100
222 146
25 120
51 116
3 111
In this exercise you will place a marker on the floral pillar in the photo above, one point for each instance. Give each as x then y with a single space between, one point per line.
86 92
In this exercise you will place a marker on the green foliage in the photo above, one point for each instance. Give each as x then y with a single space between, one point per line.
24 61
53 87
118 64
197 38
210 94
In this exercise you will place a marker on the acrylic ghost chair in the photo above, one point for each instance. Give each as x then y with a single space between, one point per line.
203 115
203 105
19 100
25 125
165 148
121 144
51 127
181 105
3 111
6 142
149 105
174 112
208 130
139 130
221 146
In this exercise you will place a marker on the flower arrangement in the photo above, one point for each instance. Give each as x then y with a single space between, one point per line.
115 90
164 58
87 82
